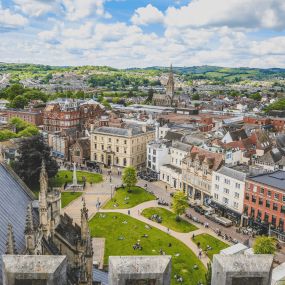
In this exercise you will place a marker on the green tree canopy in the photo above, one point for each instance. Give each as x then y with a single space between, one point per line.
31 153
255 96
129 177
19 102
179 203
265 245
195 97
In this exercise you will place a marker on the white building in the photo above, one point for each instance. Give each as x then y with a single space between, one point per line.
228 191
171 173
157 154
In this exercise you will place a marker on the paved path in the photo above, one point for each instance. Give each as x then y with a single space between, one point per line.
103 191
186 238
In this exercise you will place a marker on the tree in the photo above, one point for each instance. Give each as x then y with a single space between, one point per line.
208 275
265 245
195 97
31 153
18 124
180 204
255 96
129 177
19 102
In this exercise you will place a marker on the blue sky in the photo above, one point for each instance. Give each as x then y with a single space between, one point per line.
139 33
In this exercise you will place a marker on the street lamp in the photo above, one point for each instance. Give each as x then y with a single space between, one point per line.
111 185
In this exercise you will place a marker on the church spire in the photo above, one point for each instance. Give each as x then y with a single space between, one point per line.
10 245
170 84
84 222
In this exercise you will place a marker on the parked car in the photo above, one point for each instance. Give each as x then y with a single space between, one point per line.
199 210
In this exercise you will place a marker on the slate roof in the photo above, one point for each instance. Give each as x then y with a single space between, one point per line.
181 146
100 276
173 136
274 179
238 134
119 131
238 175
14 199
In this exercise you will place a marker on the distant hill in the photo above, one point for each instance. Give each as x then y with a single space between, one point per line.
213 73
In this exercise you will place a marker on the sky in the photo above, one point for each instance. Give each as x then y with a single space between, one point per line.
140 33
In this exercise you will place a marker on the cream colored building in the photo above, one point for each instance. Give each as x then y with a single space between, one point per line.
120 147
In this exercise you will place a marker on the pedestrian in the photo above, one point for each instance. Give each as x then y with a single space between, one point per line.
110 179
168 231
200 254
129 212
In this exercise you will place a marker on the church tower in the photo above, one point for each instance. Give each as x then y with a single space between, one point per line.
170 84
43 204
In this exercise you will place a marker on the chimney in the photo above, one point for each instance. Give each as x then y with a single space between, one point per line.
156 131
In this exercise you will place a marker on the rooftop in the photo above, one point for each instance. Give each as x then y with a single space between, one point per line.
230 172
274 179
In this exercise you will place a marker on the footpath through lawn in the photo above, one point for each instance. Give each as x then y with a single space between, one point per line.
122 232
169 220
208 240
123 199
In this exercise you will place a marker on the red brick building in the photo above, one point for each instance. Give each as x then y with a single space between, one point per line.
68 114
31 116
264 199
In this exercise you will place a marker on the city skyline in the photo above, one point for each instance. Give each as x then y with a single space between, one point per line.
125 33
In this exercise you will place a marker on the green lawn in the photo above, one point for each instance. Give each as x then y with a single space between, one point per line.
66 176
216 244
115 225
124 200
169 220
68 197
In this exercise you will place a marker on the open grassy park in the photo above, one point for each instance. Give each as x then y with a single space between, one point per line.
122 232
66 176
123 199
68 197
169 220
216 244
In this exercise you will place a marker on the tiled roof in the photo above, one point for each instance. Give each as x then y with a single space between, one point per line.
14 199
212 158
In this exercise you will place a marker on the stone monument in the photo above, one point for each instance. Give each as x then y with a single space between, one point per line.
74 186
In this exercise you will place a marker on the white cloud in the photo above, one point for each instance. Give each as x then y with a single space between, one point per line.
231 13
36 8
79 9
8 19
147 15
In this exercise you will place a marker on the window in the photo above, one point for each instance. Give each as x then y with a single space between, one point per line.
253 199
125 150
216 186
247 196
95 145
95 138
266 217
102 158
110 140
217 178
259 213
275 206
95 156
261 191
235 205
273 220
102 147
125 142
267 203
276 196
226 191
125 161
227 181
237 185
154 152
269 193
236 195
225 200
117 149
216 196
283 198
283 209
260 201
117 140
